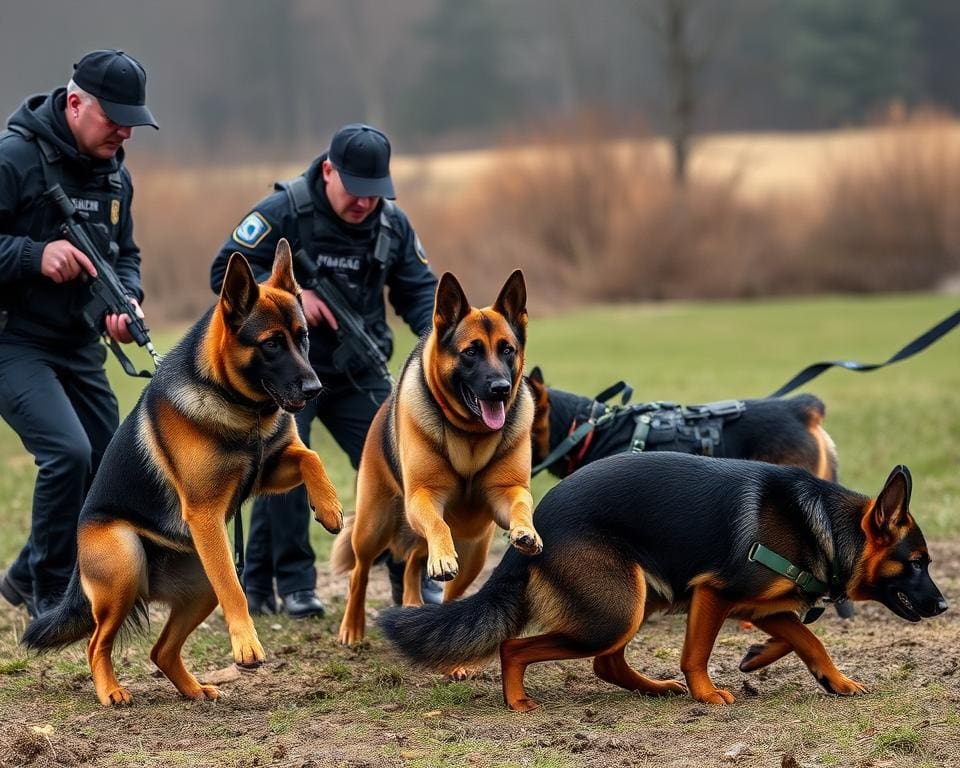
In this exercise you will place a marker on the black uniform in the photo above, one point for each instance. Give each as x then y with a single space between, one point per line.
53 389
279 543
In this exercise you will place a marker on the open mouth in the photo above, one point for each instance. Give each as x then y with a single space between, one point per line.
290 406
493 413
903 607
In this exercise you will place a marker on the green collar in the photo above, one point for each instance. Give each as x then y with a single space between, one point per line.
803 579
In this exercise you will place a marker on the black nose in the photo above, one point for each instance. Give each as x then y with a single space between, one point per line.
310 387
499 388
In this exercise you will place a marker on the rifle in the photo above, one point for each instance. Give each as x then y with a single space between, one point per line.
107 294
356 351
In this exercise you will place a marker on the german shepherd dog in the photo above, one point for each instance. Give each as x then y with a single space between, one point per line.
779 431
447 454
211 428
637 533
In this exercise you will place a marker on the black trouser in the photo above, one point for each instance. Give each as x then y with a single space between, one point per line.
60 404
279 543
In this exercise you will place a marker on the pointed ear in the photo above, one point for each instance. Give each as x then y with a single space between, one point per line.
239 293
450 306
536 375
893 502
282 275
512 301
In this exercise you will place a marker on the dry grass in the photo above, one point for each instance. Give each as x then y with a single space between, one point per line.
595 219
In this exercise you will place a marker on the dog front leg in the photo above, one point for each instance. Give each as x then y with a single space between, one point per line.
424 509
513 511
708 610
788 628
209 534
298 464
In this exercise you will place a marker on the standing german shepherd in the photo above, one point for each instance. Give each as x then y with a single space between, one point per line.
212 428
448 453
637 533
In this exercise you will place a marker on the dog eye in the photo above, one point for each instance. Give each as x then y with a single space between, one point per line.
917 564
507 350
270 345
470 352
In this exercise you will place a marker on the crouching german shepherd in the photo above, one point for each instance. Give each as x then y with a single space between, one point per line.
638 533
447 454
210 429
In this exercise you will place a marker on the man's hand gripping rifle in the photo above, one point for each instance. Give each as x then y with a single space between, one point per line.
356 352
107 294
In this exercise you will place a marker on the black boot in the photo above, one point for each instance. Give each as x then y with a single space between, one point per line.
303 605
431 590
261 605
17 592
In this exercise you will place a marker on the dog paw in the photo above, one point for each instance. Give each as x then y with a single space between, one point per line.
716 696
247 651
443 568
329 516
843 686
666 688
526 540
349 635
522 705
459 674
118 697
203 692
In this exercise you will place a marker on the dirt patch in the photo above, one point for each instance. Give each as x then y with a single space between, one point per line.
317 704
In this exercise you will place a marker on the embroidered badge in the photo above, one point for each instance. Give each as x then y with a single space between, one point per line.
114 212
251 230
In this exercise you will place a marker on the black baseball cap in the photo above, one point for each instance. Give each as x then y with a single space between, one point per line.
119 83
361 155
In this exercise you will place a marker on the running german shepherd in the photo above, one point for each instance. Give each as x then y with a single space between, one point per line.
637 533
448 453
210 429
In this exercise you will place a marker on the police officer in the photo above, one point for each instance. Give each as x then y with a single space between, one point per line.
53 390
340 213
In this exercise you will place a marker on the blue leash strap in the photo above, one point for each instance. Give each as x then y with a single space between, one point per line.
917 345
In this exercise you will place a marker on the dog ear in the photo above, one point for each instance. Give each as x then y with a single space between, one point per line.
282 275
240 291
893 502
536 375
450 306
512 301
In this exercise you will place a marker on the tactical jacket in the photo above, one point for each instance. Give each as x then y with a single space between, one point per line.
342 252
35 307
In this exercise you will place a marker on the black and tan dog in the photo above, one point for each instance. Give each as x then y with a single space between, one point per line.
638 533
447 455
212 428
780 431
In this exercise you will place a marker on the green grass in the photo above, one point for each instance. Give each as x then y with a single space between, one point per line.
696 352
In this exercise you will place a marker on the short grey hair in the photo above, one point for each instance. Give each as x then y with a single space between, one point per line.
85 97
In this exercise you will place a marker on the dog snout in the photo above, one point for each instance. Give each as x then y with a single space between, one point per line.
310 386
499 388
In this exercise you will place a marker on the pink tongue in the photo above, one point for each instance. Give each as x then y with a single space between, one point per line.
494 413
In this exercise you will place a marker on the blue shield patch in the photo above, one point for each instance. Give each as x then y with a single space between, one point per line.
251 230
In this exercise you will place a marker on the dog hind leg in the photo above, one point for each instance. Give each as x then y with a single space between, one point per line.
113 575
185 616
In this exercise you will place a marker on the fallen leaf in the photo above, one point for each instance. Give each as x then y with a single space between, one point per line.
46 730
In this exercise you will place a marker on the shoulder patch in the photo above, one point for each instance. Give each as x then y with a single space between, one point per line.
418 249
252 230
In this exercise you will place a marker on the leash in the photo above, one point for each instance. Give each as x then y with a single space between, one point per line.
917 345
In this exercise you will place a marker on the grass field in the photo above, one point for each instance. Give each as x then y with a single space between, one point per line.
317 704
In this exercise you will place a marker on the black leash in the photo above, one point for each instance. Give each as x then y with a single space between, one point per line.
917 345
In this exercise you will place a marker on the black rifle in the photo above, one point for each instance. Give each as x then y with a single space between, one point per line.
356 351
107 294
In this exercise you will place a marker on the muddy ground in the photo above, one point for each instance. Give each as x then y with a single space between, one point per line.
317 704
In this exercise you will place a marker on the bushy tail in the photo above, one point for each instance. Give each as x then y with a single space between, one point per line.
70 621
467 631
342 558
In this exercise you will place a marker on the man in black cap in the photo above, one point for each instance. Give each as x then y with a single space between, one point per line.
53 390
339 214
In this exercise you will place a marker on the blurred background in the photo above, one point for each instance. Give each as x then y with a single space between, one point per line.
619 150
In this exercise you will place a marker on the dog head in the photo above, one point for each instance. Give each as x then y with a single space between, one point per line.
893 568
540 431
263 356
476 355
